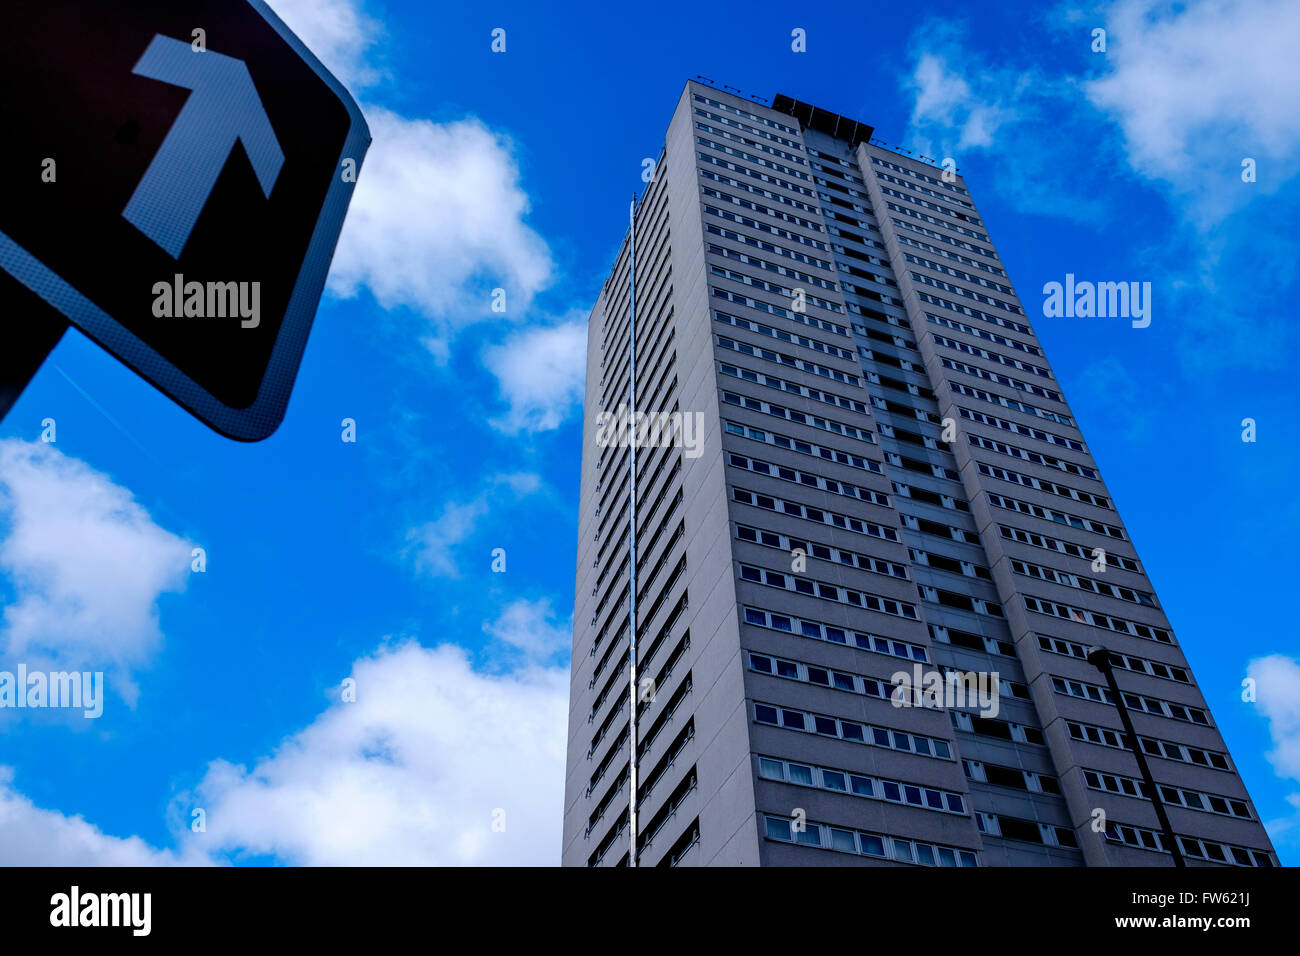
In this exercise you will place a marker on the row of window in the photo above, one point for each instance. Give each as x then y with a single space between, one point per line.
970 641
829 200
951 502
941 562
1047 461
926 204
852 559
789 360
1012 777
898 341
1176 796
1017 429
754 174
750 143
996 729
1043 484
925 217
768 286
1212 850
764 227
797 476
760 208
879 845
767 265
745 127
1005 688
876 277
822 677
1150 705
1026 831
885 177
1168 749
922 467
840 160
1047 543
860 785
1011 403
1095 619
857 253
832 518
826 591
917 175
801 418
998 357
1139 665
1051 514
747 115
793 338
851 730
832 634
958 273
922 230
785 385
955 256
938 530
889 359
960 602
875 377
766 246
967 293
750 157
1104 588
1002 380
812 450
760 191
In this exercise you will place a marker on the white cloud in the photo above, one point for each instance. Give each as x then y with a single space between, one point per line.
432 545
434 763
437 222
1277 696
1196 87
437 217
31 836
1181 95
413 773
87 562
540 372
964 105
945 98
524 625
341 35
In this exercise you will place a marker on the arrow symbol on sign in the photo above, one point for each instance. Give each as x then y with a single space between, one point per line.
224 107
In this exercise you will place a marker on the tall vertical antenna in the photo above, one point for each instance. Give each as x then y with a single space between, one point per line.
631 405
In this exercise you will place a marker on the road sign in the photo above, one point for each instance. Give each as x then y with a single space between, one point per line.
175 178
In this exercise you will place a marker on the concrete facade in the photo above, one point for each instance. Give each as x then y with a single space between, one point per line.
888 478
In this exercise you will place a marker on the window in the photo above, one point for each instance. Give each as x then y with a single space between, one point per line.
801 774
811 835
843 840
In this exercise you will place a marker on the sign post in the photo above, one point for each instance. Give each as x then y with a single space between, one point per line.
177 175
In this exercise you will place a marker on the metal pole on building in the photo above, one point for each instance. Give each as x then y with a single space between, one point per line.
631 407
1099 657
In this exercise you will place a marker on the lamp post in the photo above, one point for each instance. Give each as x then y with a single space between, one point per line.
1099 657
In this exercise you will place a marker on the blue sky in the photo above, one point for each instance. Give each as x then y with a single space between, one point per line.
371 560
